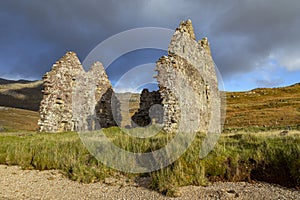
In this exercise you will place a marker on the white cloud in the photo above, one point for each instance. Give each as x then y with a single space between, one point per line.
291 62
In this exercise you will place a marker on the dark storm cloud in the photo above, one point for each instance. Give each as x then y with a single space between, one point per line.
38 32
252 33
244 35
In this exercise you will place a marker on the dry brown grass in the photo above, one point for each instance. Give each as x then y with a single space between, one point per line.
270 108
13 119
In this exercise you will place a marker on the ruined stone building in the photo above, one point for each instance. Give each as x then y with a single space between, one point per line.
75 100
188 86
188 98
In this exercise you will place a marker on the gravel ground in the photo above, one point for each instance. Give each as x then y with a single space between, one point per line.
32 184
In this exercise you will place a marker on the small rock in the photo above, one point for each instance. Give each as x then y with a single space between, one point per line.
110 181
284 133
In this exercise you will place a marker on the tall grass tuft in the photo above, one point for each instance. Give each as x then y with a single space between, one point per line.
236 157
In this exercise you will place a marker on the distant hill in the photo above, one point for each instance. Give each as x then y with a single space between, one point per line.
5 81
21 94
264 107
130 104
260 108
14 119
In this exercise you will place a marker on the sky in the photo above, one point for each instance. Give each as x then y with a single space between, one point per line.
254 43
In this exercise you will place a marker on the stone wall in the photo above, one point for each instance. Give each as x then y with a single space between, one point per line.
188 98
150 111
56 107
72 97
188 84
108 109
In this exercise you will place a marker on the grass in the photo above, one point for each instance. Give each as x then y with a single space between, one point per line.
249 149
13 119
52 151
267 108
236 157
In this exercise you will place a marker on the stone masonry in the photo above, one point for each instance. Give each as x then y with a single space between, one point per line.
73 98
188 84
188 88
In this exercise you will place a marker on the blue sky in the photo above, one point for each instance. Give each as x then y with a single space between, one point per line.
254 43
